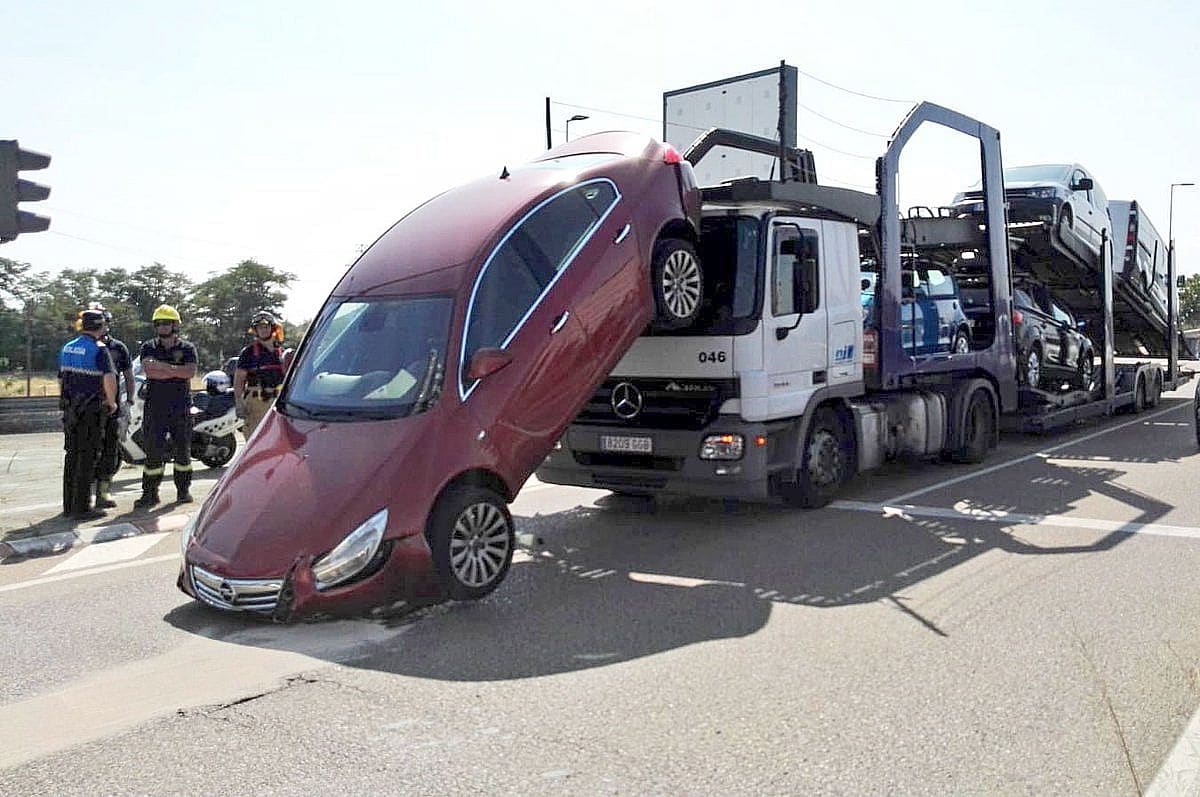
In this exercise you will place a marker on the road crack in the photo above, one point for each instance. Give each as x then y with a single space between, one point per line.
1112 711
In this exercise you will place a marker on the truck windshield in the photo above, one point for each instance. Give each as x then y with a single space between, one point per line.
371 360
729 249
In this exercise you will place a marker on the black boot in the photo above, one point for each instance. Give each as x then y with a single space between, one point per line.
183 484
103 500
149 491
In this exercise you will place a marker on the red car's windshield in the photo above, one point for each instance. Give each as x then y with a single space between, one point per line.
372 359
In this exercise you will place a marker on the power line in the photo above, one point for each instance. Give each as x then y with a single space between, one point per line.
842 124
852 91
136 227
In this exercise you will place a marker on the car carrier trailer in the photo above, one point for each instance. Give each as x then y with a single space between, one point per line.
781 392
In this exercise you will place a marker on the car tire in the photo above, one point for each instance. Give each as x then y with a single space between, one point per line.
1155 391
471 540
677 280
228 445
979 429
1087 371
961 344
1066 219
1031 367
827 462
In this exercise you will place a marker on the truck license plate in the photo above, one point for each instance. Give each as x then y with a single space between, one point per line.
626 445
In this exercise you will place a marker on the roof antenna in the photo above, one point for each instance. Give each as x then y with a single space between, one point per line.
504 173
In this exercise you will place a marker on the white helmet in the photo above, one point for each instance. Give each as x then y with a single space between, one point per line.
216 382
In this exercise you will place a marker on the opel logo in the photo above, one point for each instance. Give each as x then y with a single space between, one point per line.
227 591
626 401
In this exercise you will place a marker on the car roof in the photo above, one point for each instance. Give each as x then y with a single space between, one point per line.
451 228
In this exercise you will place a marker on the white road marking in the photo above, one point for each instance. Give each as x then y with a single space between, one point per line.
965 512
34 582
31 507
1143 419
679 581
110 552
1180 773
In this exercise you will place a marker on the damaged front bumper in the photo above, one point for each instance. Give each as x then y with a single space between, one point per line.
404 572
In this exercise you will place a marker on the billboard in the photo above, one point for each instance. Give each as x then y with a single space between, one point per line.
760 103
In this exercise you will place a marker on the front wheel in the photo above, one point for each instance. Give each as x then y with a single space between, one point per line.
827 462
1087 371
962 342
1031 366
471 539
677 279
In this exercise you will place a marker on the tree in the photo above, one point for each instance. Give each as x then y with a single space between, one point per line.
224 304
1189 301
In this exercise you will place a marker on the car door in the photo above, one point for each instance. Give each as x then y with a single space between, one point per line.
1086 223
1068 353
796 349
525 302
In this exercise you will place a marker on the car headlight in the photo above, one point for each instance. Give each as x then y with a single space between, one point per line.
722 446
1042 193
351 554
189 531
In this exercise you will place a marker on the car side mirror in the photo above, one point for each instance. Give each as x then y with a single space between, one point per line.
1084 184
486 362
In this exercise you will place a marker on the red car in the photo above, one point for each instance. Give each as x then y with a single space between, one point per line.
439 373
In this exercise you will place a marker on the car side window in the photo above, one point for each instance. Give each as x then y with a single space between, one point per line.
937 284
1061 315
1021 299
528 260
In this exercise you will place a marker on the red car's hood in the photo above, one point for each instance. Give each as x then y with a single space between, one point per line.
300 488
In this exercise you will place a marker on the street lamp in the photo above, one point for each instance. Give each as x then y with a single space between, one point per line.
579 118
1171 214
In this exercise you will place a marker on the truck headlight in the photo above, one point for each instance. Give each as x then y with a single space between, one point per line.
722 446
351 554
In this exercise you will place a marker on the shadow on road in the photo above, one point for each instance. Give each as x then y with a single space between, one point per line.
623 579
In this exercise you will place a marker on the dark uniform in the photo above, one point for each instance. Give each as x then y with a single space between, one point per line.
110 456
82 364
263 363
167 413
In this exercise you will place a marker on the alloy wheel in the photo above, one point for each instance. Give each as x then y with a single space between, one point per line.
479 544
824 457
681 283
1033 368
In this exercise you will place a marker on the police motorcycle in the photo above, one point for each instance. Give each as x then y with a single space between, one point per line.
214 421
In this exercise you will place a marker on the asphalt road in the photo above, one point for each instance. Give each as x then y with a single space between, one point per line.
1023 626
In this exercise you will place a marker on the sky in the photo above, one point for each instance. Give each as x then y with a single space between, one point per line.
295 133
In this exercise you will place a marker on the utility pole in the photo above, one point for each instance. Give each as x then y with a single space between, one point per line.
29 348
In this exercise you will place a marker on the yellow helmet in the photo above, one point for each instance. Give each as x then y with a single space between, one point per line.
165 312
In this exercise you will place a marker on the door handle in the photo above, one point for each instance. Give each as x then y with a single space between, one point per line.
622 234
560 322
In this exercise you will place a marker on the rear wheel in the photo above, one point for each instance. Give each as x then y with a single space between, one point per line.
471 540
827 461
1139 394
979 429
218 453
678 283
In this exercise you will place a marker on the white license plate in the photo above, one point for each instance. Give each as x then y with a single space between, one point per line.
628 445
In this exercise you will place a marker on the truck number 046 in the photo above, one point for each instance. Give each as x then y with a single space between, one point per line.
711 356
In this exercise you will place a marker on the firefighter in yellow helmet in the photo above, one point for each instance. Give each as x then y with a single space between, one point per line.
169 363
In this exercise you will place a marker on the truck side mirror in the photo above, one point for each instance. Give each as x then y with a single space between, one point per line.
1084 184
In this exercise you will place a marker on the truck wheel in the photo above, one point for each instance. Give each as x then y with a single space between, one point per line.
1139 395
1156 390
979 430
827 462
471 540
678 283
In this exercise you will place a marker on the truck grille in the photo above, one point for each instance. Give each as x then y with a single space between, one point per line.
639 461
665 403
236 594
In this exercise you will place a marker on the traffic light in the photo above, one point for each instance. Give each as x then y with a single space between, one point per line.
13 220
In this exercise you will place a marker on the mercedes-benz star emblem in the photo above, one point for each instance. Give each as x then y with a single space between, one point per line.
227 591
626 401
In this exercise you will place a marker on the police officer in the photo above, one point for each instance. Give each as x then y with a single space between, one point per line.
88 391
110 458
259 370
169 363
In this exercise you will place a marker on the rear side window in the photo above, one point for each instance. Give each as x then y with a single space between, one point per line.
1021 299
528 260
938 285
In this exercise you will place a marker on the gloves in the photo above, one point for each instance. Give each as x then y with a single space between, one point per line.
123 422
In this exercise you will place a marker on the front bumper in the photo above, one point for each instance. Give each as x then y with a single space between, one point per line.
674 466
406 573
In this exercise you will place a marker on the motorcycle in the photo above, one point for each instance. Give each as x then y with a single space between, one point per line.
214 421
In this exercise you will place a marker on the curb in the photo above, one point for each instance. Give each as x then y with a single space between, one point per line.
52 544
